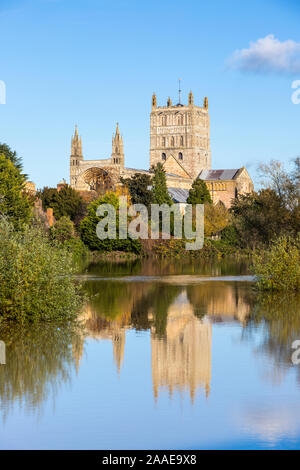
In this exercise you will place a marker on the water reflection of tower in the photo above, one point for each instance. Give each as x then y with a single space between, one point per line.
100 328
182 359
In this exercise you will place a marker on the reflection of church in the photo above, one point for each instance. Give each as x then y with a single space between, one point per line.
181 353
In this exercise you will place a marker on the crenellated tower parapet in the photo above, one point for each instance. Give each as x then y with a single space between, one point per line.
181 131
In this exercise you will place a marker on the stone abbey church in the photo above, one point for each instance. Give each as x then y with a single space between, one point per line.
180 140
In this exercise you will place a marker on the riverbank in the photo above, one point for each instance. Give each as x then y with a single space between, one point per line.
173 249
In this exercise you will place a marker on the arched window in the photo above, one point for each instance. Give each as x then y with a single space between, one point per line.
163 142
181 140
180 156
172 142
163 156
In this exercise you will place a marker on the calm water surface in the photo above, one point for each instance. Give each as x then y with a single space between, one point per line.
171 356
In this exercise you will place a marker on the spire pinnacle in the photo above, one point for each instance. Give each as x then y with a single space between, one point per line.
154 101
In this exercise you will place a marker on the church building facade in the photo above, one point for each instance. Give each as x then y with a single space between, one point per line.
180 140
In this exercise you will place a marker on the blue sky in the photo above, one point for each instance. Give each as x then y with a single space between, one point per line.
98 62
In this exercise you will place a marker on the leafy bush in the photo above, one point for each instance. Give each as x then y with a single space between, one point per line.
35 277
278 267
229 235
89 224
62 230
216 218
78 249
65 203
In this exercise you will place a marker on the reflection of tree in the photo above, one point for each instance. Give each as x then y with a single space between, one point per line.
155 306
279 317
113 268
110 299
165 266
138 301
38 359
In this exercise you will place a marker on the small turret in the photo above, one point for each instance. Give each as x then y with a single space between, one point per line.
169 102
191 98
154 101
205 103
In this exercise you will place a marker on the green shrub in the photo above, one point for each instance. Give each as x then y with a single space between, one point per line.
62 230
278 267
78 250
229 235
35 277
65 203
89 224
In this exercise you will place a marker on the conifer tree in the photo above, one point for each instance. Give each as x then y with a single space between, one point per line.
159 186
199 193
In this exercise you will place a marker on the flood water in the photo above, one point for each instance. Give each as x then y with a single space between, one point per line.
172 356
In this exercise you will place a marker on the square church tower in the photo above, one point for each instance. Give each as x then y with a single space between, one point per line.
181 133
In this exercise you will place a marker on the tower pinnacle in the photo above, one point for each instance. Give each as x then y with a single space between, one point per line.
117 154
179 90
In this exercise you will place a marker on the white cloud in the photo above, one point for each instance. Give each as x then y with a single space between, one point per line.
268 55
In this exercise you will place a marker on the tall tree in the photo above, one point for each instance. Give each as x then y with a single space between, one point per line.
138 187
199 193
261 217
11 155
159 186
14 203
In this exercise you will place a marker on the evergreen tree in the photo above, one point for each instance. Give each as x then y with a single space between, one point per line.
14 203
11 155
199 193
138 186
159 186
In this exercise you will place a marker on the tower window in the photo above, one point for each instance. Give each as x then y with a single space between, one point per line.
163 141
180 156
163 156
172 142
181 140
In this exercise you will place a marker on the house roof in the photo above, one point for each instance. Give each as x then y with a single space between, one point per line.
218 174
178 194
